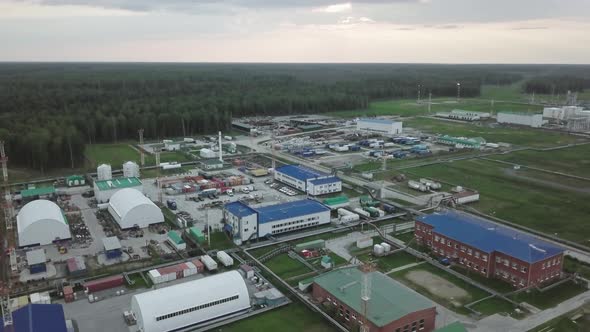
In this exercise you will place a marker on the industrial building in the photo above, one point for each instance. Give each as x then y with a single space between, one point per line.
36 260
191 303
464 115
380 125
564 113
104 172
489 249
112 247
105 189
308 180
130 208
130 169
391 306
246 223
32 194
41 222
210 164
75 180
522 119
37 318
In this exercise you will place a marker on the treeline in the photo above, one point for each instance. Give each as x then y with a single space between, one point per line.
556 84
48 112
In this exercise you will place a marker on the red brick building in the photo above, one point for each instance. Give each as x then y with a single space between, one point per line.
392 307
493 251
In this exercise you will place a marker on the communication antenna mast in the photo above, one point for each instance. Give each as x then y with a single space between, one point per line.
220 148
458 91
419 91
429 101
4 161
140 131
366 296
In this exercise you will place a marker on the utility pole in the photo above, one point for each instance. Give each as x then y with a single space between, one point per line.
429 102
458 91
419 91
140 131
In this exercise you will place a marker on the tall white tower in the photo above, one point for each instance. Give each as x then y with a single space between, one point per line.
220 148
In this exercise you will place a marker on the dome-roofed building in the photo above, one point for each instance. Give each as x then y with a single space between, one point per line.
41 222
191 303
131 208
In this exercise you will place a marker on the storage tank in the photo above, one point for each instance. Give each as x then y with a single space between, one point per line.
224 258
378 250
417 185
343 212
130 169
350 217
386 246
209 263
362 212
431 184
104 172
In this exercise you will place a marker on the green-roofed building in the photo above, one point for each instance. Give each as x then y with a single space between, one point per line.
75 180
37 193
454 327
104 189
176 240
336 202
209 164
392 306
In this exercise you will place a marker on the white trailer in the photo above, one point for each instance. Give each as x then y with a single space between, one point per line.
209 263
362 212
224 258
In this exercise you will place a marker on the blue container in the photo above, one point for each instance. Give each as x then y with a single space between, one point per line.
113 254
354 148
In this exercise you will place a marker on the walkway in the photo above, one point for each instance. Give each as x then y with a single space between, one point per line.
405 267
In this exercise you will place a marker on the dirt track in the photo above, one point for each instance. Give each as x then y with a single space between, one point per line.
436 285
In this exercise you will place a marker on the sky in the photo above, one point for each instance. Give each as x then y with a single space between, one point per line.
390 31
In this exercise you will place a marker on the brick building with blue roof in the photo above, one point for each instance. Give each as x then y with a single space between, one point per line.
490 249
308 180
247 223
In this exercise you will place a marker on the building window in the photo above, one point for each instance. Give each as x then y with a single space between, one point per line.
463 248
469 252
514 265
498 260
477 254
485 258
483 270
442 240
543 267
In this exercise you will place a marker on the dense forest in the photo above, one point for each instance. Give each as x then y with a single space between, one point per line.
556 84
49 111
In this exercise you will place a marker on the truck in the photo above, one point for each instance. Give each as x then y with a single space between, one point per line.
171 204
399 154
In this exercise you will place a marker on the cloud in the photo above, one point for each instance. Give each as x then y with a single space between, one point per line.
529 28
338 8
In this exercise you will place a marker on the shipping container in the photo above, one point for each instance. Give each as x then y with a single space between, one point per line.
68 294
103 283
248 270
209 263
388 208
198 265
224 258
196 235
372 211
364 243
350 218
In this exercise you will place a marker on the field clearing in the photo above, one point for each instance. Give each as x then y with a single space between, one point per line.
517 200
286 267
436 285
552 297
389 262
573 160
294 317
493 305
515 136
409 107
117 154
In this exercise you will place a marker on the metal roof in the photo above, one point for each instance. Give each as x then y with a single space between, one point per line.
299 172
111 243
118 183
36 257
239 209
38 318
375 120
488 236
175 237
453 327
289 210
331 179
37 192
37 211
389 301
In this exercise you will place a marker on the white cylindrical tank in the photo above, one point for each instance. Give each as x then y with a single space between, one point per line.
362 212
130 170
378 249
343 212
349 217
104 172
386 247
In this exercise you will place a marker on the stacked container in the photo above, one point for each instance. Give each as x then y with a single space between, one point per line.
103 283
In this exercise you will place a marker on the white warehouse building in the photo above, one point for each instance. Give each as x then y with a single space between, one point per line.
41 222
522 119
380 125
246 223
191 303
130 208
308 180
103 190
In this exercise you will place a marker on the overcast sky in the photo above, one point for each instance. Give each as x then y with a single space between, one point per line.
434 31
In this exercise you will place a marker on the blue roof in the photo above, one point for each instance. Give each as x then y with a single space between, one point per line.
299 172
239 209
375 120
488 236
289 210
38 318
331 179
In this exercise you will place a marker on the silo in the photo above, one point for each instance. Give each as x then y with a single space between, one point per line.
130 169
103 172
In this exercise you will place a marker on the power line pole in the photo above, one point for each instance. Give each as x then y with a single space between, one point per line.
140 131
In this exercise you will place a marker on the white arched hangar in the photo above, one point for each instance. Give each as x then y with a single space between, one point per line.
41 222
191 303
129 207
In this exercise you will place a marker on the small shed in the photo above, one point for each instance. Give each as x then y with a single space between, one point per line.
327 262
36 261
75 180
176 240
112 247
76 266
248 270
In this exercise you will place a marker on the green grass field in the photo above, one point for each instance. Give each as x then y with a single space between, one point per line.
409 107
552 297
294 317
515 136
219 240
564 323
517 200
495 284
493 305
286 267
117 154
574 160
573 265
